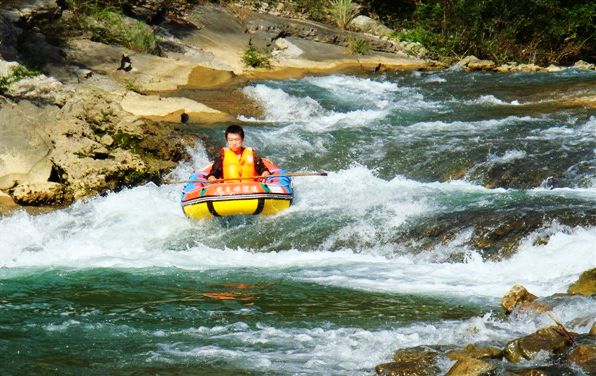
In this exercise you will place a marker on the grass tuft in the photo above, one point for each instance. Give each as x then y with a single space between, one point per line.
252 57
342 11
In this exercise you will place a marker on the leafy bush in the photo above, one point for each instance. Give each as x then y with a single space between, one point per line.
252 57
540 31
342 11
19 73
359 46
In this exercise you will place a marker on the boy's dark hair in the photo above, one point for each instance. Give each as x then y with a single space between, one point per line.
235 129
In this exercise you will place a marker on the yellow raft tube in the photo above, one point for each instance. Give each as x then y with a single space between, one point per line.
204 200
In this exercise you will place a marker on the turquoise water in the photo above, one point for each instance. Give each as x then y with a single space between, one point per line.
125 284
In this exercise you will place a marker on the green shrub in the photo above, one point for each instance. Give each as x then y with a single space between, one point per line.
252 57
342 11
108 25
359 46
315 9
19 73
540 31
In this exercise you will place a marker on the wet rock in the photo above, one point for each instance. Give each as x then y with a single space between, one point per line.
471 351
546 339
469 367
516 296
593 330
542 371
584 65
416 361
46 193
512 174
494 234
366 24
584 356
472 63
585 285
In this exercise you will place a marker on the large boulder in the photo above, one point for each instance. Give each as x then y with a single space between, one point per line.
548 339
88 162
365 24
585 285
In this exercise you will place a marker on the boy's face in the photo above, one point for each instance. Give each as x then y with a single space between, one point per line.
234 142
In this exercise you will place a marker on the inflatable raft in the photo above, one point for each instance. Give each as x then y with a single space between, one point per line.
204 200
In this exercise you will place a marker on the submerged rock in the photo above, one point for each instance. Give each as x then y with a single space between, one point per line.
416 361
585 285
494 234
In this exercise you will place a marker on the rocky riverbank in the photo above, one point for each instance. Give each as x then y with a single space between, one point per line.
95 117
551 350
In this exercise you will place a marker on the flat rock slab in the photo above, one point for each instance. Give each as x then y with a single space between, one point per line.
171 109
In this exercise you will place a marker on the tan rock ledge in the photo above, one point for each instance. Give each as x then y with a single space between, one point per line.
156 108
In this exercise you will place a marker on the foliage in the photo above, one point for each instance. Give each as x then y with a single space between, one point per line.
358 46
17 74
316 9
132 86
252 57
108 25
342 11
539 31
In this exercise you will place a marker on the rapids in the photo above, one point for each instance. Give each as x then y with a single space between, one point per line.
126 284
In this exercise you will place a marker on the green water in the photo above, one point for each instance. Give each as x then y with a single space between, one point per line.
125 284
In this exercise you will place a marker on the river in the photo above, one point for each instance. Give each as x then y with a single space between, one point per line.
125 284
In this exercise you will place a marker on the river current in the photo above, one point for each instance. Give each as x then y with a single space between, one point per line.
125 284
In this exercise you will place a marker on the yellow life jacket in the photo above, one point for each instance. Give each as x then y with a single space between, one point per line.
237 168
